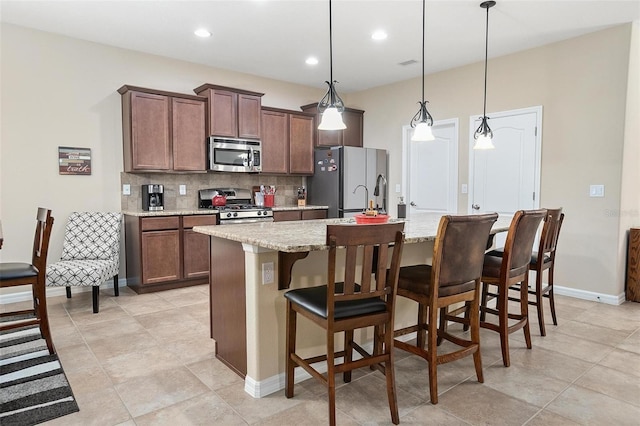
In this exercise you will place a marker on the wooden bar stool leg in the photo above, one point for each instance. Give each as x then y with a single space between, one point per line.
503 324
552 303
539 305
291 349
524 309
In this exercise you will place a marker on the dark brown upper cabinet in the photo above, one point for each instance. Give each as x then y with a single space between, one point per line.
233 113
162 131
287 141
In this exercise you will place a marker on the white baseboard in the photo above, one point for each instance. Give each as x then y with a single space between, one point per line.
25 296
589 295
260 389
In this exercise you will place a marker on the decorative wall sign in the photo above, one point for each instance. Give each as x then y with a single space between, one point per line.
74 161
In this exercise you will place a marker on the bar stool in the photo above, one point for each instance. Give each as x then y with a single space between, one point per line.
454 278
349 305
507 270
542 259
34 274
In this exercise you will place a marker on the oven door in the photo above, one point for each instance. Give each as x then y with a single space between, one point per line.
245 221
234 155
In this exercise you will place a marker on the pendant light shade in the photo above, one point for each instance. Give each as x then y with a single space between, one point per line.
422 121
331 106
483 134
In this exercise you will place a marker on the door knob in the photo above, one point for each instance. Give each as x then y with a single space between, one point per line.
412 204
475 206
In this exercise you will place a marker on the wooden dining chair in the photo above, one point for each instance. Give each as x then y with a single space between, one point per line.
348 303
544 259
34 274
505 271
453 278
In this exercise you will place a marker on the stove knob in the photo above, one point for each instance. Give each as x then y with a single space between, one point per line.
235 214
259 212
229 214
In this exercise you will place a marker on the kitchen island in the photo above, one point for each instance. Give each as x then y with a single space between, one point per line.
252 264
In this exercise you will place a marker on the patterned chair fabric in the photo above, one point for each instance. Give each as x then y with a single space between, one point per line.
90 253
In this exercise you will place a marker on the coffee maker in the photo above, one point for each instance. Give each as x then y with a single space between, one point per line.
153 197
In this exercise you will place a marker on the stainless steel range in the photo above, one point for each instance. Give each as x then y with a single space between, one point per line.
238 208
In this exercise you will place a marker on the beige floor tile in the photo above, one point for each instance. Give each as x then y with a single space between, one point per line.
192 350
215 374
168 317
108 312
479 404
551 364
432 415
127 344
603 316
143 304
152 392
65 336
547 418
588 407
570 345
133 365
88 379
366 400
631 343
524 384
205 409
254 410
617 384
112 330
624 361
595 333
76 357
312 411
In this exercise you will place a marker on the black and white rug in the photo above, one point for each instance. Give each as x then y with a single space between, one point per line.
33 386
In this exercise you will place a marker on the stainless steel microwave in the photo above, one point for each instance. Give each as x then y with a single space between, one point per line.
234 155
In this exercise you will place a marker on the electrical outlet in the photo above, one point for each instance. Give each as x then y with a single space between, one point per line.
398 188
267 273
126 189
464 188
183 189
596 191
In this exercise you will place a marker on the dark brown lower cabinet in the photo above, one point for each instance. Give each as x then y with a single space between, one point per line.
633 266
308 214
164 252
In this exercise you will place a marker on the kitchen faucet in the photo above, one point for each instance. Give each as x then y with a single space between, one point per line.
376 191
366 196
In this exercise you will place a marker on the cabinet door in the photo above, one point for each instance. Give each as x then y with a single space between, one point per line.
150 140
352 135
314 214
286 215
224 113
301 144
188 120
328 137
196 254
160 256
249 107
275 145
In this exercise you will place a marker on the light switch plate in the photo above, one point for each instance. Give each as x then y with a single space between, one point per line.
596 191
126 189
398 188
464 189
183 189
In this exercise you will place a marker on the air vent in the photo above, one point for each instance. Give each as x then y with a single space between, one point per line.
409 62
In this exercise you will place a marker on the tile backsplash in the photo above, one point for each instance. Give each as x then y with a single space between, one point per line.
286 194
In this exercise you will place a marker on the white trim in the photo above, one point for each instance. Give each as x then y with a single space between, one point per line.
250 248
538 165
25 296
260 389
589 295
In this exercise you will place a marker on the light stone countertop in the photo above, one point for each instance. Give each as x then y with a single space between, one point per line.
186 212
310 235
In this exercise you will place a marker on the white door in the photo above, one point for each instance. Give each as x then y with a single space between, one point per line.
507 178
431 169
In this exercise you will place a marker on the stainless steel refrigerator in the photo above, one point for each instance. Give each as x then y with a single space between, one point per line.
341 175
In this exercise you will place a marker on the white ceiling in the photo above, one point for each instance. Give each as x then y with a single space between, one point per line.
272 38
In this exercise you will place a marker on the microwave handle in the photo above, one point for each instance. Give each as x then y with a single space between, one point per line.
251 158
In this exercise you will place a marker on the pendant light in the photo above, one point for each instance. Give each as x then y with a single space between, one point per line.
331 106
422 121
483 134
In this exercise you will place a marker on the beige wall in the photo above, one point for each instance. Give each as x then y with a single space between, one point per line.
57 91
582 86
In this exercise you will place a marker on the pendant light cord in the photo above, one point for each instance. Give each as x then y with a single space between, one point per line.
332 100
423 31
486 53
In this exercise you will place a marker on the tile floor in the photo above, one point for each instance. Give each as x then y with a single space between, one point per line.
147 359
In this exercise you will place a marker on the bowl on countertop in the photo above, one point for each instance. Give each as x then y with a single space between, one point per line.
364 219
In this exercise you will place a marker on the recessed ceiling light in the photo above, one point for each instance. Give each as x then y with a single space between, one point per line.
311 61
202 33
379 35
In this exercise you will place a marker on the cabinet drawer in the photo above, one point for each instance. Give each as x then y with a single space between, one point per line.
158 223
314 214
286 215
198 220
